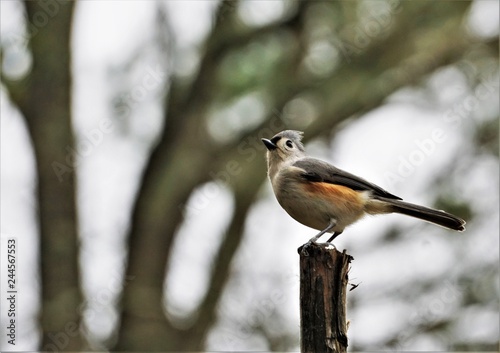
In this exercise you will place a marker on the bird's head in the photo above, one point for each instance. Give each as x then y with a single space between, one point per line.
284 146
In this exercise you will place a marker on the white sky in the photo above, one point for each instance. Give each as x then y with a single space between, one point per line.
106 34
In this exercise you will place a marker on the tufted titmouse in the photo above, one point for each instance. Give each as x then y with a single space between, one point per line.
328 199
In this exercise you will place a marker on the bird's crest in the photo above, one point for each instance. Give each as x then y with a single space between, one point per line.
294 135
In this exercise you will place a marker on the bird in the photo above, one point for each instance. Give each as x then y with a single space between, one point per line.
326 198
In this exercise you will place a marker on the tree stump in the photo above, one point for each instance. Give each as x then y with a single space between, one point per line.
323 287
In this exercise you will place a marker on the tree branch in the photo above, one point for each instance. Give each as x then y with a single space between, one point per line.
184 155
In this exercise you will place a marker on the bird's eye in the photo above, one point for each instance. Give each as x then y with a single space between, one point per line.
289 143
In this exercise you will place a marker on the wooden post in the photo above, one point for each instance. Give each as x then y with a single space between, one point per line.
323 286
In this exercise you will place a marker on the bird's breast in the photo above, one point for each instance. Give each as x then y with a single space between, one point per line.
314 204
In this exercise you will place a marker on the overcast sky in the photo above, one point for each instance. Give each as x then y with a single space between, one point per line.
378 147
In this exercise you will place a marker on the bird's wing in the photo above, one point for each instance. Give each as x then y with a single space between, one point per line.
319 171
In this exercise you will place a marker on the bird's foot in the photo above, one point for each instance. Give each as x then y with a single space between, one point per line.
314 240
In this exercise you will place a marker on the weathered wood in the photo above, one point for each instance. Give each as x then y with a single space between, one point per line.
323 286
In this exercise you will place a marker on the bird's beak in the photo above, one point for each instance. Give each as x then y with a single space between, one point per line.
269 144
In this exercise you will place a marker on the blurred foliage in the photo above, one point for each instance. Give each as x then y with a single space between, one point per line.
317 66
487 136
455 206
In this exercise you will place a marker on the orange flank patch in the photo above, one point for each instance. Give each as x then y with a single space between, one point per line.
335 192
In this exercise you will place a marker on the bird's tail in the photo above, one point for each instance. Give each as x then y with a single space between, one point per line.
441 218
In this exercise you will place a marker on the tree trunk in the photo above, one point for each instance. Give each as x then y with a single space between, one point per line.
44 98
323 283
